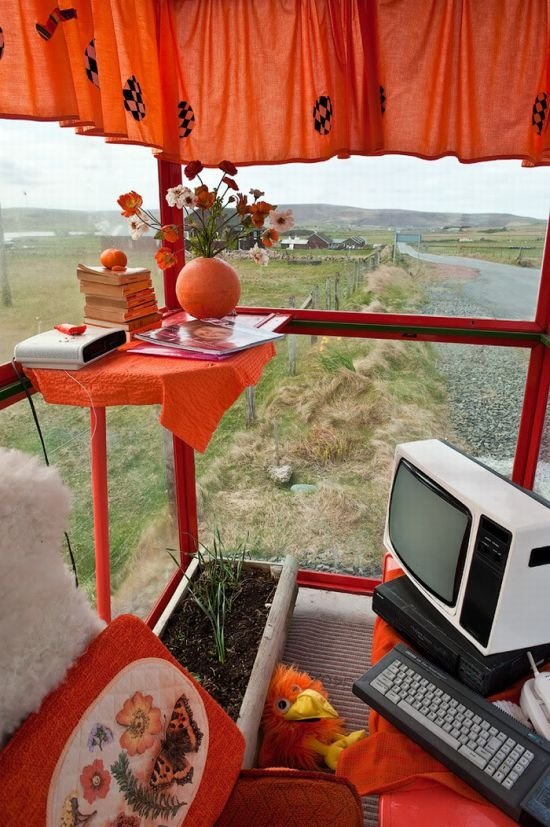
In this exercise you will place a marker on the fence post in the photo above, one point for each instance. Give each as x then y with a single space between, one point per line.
292 342
251 404
327 294
337 291
314 304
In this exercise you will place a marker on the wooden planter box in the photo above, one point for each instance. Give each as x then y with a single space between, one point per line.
270 649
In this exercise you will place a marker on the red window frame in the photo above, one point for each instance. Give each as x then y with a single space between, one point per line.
534 335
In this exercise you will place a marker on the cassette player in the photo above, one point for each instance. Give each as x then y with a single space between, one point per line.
54 349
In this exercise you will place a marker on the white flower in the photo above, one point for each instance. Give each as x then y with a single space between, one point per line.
136 227
180 197
282 220
259 255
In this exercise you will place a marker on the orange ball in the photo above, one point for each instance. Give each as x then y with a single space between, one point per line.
112 258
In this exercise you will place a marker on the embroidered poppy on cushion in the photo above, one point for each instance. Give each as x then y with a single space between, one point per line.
129 737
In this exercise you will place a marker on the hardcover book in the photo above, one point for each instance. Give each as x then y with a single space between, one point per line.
209 337
105 276
119 314
121 291
151 320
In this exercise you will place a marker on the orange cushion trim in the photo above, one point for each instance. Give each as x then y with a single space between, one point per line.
282 797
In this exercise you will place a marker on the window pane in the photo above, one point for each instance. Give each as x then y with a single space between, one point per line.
142 525
58 208
478 229
334 427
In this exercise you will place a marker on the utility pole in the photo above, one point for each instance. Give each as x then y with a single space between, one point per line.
5 290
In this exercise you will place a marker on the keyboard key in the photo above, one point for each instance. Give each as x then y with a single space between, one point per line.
445 736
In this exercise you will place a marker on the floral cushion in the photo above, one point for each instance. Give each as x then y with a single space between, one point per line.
137 756
129 739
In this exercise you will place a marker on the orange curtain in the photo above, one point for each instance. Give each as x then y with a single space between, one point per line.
274 81
271 81
466 78
91 64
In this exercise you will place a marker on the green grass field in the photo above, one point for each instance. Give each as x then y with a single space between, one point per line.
335 422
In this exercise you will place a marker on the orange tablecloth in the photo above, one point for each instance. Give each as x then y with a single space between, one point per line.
193 395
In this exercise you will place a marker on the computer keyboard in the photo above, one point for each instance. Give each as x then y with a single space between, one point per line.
502 759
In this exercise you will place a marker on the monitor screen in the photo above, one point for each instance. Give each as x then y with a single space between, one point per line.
429 530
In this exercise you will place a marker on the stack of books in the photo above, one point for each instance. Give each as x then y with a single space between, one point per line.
118 298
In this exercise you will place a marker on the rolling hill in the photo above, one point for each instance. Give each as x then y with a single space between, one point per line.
316 216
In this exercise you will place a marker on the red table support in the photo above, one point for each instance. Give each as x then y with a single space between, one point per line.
193 397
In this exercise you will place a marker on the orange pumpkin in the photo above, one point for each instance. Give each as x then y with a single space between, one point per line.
208 288
113 258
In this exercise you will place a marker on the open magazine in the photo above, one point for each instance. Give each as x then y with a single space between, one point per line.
213 338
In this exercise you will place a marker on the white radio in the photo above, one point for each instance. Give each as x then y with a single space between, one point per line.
53 349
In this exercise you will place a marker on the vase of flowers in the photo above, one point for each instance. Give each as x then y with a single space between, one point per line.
215 221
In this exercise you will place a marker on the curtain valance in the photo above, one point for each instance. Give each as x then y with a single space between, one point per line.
275 81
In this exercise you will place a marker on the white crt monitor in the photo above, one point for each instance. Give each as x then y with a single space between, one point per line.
476 545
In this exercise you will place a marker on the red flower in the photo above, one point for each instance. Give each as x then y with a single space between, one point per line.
193 169
228 167
95 781
203 198
170 233
242 204
230 182
270 236
259 212
130 203
165 258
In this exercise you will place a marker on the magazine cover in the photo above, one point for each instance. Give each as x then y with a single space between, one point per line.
208 337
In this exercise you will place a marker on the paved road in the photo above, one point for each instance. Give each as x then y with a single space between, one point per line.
503 290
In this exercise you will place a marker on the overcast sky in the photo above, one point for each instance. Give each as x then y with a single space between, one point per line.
42 165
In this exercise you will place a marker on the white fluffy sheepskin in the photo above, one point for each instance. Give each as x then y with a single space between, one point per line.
45 622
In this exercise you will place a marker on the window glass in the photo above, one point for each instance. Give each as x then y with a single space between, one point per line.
141 503
542 476
58 205
311 474
469 237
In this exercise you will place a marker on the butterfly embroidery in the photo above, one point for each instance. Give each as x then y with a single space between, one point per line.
182 736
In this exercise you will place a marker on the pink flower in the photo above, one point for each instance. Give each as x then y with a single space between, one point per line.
95 781
137 227
260 256
281 220
179 197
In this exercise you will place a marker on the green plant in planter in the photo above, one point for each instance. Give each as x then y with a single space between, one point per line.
217 586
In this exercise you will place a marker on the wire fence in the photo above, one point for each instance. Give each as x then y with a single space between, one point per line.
327 296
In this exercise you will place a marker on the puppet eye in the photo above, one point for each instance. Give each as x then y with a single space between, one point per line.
283 704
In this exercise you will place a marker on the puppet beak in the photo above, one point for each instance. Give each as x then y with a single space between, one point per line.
310 706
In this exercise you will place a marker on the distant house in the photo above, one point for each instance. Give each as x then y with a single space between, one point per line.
350 243
294 242
318 242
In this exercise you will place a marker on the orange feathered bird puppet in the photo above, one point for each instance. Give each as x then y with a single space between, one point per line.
300 727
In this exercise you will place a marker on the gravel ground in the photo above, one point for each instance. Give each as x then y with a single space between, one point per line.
486 386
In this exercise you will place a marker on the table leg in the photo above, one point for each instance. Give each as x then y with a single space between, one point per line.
100 499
